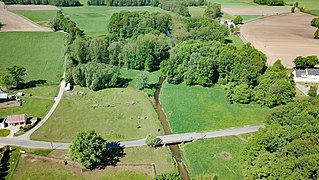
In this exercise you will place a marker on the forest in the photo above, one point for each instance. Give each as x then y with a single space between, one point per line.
45 2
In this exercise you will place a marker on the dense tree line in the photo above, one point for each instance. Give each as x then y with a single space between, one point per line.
127 24
306 62
60 22
287 148
96 76
45 2
176 6
213 11
270 2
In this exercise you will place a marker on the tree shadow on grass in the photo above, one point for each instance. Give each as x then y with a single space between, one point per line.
113 154
34 83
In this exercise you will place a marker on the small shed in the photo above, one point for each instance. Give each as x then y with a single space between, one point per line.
16 120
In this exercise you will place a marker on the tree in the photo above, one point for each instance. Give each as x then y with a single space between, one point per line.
296 4
315 22
1 25
16 73
142 80
316 34
152 140
238 20
287 148
306 62
88 148
293 9
213 11
313 91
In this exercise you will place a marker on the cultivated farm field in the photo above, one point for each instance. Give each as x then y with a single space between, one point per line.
114 113
196 108
42 54
282 37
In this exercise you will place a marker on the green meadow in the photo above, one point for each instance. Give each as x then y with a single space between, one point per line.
41 53
218 156
198 109
40 17
116 114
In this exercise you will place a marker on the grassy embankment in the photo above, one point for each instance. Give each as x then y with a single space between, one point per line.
114 113
205 109
35 167
219 156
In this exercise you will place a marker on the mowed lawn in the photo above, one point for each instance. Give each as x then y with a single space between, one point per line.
94 20
113 113
219 156
42 54
35 106
205 109
41 17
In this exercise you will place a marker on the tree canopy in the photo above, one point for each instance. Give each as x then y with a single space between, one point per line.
287 148
213 10
87 148
306 62
15 75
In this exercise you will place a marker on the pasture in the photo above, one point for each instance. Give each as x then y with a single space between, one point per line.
282 37
219 156
117 114
42 54
308 4
199 109
137 163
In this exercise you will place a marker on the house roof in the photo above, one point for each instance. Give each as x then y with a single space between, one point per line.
299 72
313 71
3 96
16 118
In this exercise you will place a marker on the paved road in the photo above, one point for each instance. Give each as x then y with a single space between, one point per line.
174 138
27 135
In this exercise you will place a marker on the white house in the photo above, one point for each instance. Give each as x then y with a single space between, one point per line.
16 120
306 75
227 22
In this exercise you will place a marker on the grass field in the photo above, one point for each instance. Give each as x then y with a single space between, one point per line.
114 113
316 12
219 156
40 17
235 40
40 53
203 109
35 106
95 19
36 168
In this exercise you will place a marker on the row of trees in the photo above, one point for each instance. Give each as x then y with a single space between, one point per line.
60 22
306 62
127 24
287 148
270 2
315 23
45 2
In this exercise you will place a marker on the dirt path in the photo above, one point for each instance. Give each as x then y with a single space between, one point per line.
31 7
14 22
282 37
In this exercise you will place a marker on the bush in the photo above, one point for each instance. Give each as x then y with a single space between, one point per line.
238 20
152 140
313 91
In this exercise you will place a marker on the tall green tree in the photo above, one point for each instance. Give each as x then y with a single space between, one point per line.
87 148
306 62
16 73
213 10
287 148
313 91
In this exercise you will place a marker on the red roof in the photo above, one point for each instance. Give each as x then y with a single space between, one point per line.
16 118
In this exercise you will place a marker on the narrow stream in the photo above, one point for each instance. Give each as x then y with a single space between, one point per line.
174 148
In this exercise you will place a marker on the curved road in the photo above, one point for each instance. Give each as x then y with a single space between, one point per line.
166 139
27 135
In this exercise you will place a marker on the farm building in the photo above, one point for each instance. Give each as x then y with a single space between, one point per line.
16 120
306 75
227 22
